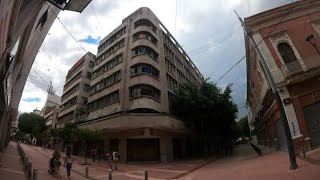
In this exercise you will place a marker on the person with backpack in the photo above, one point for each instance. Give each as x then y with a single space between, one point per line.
68 164
56 161
115 158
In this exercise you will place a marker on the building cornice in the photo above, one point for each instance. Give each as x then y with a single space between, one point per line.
283 13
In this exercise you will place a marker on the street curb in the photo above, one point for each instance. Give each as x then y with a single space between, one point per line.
309 160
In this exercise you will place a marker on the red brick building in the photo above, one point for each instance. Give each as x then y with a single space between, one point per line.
289 38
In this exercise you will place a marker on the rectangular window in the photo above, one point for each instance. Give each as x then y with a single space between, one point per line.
91 64
84 100
88 75
113 78
104 101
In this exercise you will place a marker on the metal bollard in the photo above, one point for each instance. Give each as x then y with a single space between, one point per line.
29 171
276 144
25 162
35 174
110 174
87 171
303 150
145 175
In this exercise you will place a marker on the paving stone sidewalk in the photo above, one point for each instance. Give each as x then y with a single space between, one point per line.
99 170
10 165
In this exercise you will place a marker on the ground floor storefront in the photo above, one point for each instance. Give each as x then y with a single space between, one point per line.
144 137
302 106
306 100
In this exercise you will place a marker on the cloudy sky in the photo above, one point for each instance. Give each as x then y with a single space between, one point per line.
207 29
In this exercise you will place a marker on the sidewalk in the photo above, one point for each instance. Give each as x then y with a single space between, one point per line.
41 162
274 166
99 171
10 165
159 171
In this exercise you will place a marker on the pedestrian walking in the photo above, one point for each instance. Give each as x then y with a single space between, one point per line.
68 164
115 158
56 159
93 154
109 160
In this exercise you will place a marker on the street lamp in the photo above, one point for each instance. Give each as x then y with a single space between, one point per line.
312 41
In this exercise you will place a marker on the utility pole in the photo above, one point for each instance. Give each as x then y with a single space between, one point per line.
272 84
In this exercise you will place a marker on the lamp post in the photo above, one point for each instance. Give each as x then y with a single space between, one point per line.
312 41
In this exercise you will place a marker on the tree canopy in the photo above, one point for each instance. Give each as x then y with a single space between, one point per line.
206 108
31 123
244 126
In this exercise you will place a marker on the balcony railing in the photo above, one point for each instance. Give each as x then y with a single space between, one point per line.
292 68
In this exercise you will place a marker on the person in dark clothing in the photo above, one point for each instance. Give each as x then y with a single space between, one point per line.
68 164
93 154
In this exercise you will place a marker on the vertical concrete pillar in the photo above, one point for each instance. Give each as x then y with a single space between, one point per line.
2 114
106 145
166 149
3 130
123 149
183 147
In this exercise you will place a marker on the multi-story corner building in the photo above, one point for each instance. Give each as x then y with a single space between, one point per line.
138 65
289 38
74 99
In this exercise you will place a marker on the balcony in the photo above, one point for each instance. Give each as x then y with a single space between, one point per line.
295 67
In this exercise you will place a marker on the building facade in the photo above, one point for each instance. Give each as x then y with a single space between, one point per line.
138 65
288 38
51 109
23 27
74 99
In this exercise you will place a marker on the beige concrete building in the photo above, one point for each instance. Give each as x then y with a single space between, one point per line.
74 99
138 65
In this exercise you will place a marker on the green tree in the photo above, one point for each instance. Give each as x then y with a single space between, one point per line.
244 126
31 123
44 137
69 133
88 135
56 134
207 109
